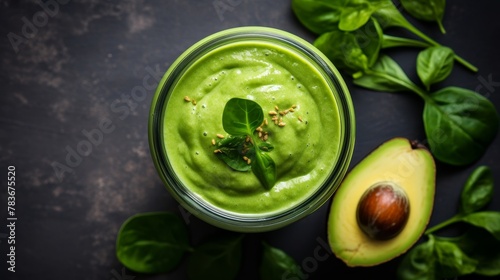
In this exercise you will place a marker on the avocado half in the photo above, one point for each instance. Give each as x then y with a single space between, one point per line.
399 162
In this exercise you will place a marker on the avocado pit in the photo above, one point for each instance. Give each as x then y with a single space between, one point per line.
383 211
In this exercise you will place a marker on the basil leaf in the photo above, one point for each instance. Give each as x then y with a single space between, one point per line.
483 247
265 169
217 258
352 51
419 262
276 264
460 125
385 75
319 16
428 10
241 116
488 220
231 152
452 261
478 190
152 242
434 64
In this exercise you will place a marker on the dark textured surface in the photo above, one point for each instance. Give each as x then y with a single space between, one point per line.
76 70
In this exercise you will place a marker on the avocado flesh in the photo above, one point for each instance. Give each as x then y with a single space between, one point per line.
413 169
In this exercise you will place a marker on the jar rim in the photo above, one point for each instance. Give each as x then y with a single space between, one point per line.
237 221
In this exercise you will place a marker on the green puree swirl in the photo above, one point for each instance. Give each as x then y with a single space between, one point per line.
305 149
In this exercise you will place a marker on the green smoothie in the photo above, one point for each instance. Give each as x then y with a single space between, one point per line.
302 116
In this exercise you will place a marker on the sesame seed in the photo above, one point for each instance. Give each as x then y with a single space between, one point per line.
294 106
273 113
245 158
259 129
265 137
291 110
300 118
276 108
217 151
220 136
193 101
282 124
187 99
260 134
265 122
213 142
249 161
286 111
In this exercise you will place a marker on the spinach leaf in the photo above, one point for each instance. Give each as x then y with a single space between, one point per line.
478 190
241 117
419 262
434 64
386 75
389 16
276 264
460 125
355 14
488 220
352 51
319 16
265 169
452 261
266 147
428 10
217 258
483 247
435 259
231 152
152 242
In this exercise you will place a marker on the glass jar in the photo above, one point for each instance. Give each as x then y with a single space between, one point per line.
207 202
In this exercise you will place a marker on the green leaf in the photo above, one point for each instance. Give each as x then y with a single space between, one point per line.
265 169
385 75
241 117
480 245
460 125
389 16
352 51
434 64
217 258
419 262
231 152
353 18
437 258
266 147
488 220
428 10
319 16
478 190
452 261
152 242
276 264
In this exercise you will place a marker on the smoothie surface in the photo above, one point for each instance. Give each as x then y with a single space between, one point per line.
277 78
